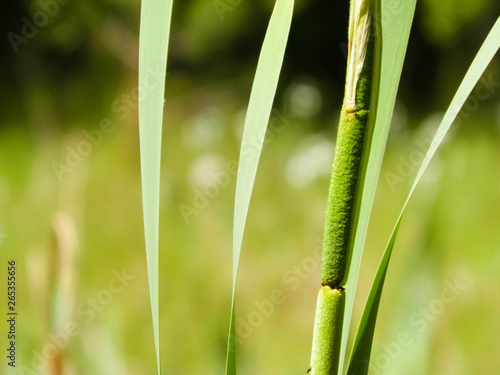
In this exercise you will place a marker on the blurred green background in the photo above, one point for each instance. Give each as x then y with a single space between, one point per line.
71 202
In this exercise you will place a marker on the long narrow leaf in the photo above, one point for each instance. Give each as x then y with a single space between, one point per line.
259 110
362 346
153 47
393 20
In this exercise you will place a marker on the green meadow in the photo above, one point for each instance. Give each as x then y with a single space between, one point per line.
71 212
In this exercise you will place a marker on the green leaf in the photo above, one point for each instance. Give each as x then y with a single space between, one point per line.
153 47
362 346
393 20
259 110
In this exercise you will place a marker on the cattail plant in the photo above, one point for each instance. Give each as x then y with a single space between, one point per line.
339 221
378 37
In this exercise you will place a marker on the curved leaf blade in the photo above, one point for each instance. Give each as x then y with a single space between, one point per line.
393 21
362 347
258 113
153 48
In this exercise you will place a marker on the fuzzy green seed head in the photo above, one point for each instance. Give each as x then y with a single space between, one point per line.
344 181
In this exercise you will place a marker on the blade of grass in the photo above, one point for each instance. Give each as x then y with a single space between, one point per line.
392 34
153 47
258 113
362 347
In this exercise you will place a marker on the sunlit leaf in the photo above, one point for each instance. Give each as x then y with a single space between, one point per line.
393 20
153 47
259 110
362 347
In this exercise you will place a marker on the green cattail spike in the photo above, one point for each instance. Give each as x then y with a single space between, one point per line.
327 331
349 148
343 187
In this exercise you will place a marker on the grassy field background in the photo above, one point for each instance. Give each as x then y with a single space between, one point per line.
70 198
449 237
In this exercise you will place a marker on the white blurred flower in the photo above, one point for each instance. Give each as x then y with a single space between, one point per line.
312 160
204 129
304 99
204 167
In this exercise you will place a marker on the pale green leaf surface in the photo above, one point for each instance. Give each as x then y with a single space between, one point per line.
153 47
389 55
258 113
364 337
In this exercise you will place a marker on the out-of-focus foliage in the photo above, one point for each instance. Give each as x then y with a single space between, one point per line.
447 20
84 50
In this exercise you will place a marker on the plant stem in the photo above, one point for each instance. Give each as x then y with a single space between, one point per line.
327 331
342 193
